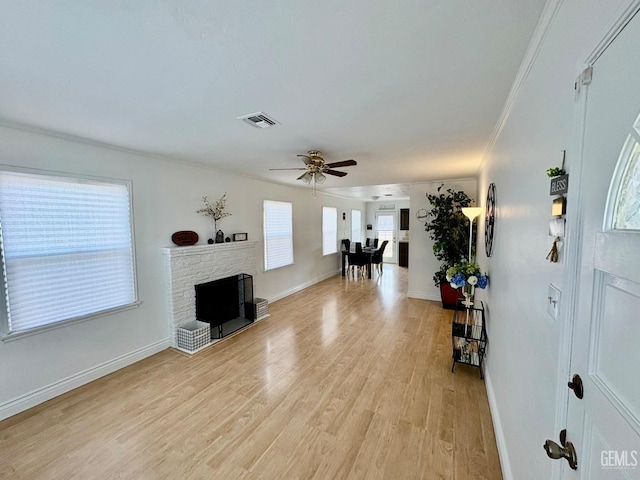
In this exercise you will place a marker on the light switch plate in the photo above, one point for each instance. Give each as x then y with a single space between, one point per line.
553 299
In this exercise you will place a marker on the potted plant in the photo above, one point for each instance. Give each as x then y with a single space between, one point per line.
449 230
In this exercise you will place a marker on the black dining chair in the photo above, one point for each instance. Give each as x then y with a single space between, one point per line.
358 259
346 244
368 243
376 259
375 243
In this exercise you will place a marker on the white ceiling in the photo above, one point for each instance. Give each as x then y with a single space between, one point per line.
412 90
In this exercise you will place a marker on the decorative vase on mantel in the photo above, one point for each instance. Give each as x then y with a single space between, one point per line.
213 232
215 212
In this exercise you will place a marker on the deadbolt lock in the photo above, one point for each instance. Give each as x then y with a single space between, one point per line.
576 385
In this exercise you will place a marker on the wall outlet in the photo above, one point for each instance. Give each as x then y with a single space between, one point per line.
553 299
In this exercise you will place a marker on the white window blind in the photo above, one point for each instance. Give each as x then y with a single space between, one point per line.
67 248
329 230
356 225
278 234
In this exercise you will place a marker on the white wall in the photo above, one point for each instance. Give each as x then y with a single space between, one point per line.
524 342
422 262
165 197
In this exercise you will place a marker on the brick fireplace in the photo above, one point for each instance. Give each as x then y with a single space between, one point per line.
186 267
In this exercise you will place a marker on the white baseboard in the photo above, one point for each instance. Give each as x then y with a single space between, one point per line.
24 402
424 296
302 286
507 474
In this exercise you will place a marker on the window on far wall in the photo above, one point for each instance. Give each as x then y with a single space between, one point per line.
329 230
67 248
356 225
278 234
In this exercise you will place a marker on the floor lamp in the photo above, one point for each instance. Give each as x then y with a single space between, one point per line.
471 213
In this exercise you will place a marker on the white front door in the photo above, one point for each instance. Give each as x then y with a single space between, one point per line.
604 426
386 227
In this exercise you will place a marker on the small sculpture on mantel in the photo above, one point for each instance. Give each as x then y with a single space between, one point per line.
215 213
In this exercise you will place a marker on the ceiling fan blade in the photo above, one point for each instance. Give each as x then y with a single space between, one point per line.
343 163
335 172
301 168
307 159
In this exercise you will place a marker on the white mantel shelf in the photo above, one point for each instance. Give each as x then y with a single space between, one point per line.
186 267
207 248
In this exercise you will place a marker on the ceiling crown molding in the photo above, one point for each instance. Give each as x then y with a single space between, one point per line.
549 13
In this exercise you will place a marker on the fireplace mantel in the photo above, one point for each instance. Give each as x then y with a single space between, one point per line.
186 267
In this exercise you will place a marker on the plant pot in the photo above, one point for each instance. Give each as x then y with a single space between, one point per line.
449 295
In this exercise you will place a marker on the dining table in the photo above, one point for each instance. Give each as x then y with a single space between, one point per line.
368 251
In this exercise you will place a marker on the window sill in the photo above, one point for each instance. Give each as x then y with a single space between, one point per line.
9 337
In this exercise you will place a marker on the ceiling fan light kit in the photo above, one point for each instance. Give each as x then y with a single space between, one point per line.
306 177
317 170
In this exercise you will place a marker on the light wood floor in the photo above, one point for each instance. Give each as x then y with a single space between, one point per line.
347 379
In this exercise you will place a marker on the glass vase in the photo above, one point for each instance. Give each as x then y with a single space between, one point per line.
212 236
468 291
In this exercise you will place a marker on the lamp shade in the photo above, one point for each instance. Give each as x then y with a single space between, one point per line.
472 212
320 178
306 178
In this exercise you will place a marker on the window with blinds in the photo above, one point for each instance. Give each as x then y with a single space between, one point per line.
67 249
329 230
356 225
278 234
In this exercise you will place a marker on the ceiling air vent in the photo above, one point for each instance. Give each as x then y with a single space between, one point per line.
259 120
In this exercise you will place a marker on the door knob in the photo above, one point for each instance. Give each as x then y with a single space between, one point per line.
567 450
576 385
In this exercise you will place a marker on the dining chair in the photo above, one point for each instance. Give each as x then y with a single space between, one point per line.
358 259
377 256
346 243
375 243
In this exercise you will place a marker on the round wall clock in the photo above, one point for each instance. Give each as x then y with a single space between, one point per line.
490 219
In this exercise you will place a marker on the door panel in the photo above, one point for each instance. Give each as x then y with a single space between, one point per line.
614 338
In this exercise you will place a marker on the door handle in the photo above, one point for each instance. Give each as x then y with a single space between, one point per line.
567 450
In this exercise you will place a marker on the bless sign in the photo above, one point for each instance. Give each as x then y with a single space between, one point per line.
559 185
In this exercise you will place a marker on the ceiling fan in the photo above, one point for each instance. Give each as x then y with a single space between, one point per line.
316 168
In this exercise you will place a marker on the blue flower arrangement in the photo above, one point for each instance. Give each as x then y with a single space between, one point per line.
465 273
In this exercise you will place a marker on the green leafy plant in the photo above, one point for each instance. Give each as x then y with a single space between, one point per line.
448 228
555 172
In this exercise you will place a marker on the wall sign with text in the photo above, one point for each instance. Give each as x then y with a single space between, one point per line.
559 185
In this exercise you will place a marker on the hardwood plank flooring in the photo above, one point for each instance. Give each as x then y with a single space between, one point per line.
348 379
